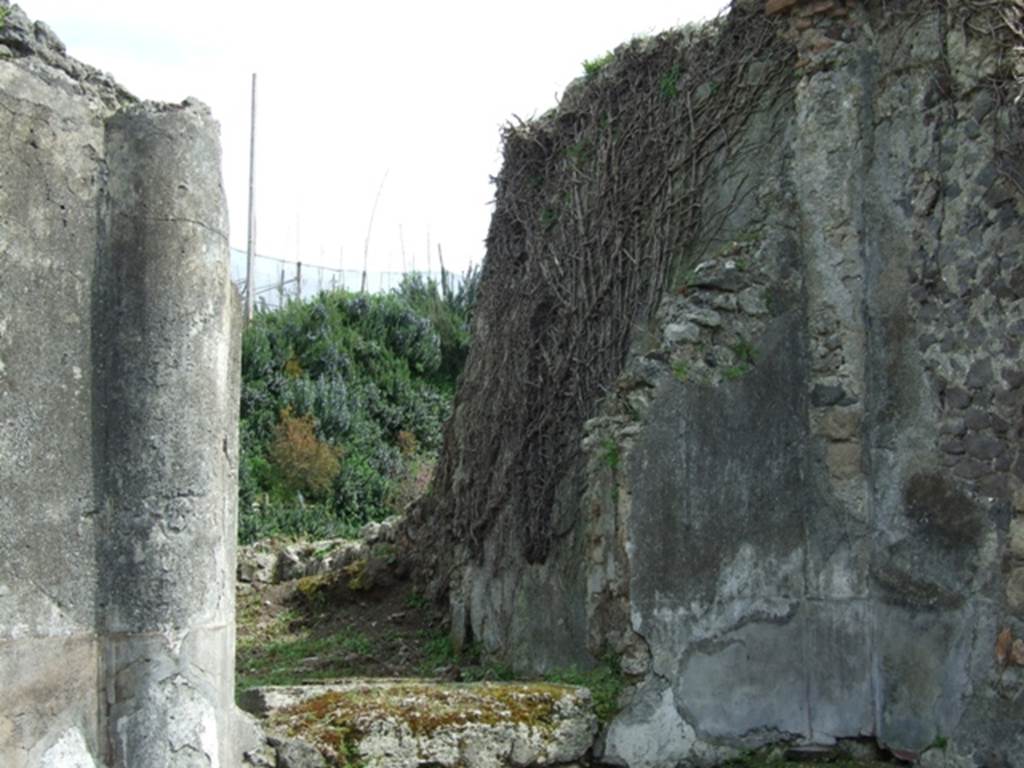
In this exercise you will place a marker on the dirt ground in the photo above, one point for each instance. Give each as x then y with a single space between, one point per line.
339 625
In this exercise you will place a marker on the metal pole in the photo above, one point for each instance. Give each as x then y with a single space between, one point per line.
369 230
250 254
298 281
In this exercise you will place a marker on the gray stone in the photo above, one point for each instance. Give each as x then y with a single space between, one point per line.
719 277
682 332
705 317
47 37
752 301
256 565
825 395
971 469
1017 537
725 302
478 725
295 753
648 734
982 446
975 418
70 751
980 374
957 398
250 741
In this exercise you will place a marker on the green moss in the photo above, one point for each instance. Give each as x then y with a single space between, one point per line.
358 578
311 586
337 720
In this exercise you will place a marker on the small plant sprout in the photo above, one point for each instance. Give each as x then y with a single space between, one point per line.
548 218
592 66
734 372
610 453
670 82
681 370
744 351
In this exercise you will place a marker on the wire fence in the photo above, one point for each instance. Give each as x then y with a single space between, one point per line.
276 281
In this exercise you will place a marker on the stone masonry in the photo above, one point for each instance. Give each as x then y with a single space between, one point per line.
802 500
118 422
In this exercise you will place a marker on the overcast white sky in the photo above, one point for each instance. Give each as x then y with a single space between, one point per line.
350 91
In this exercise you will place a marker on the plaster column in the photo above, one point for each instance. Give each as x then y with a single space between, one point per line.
167 403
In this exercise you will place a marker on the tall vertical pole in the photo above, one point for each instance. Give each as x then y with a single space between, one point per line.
250 255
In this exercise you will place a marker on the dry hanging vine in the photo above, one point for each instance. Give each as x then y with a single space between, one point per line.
596 204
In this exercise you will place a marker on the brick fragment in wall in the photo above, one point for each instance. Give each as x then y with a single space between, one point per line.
778 6
1017 537
1017 652
840 424
816 8
1015 590
844 460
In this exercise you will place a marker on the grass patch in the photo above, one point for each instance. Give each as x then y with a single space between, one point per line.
604 681
298 658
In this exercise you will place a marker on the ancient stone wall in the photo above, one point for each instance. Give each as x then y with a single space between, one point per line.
118 406
797 517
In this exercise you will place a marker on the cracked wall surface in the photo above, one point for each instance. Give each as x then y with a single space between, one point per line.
799 513
118 380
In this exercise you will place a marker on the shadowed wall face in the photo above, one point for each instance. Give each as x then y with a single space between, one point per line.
118 404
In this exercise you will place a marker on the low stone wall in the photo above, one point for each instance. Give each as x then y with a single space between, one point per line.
118 421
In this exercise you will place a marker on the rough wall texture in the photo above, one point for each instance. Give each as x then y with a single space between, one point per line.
118 373
798 511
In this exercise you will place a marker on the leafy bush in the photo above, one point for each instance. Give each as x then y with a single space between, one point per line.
449 307
342 402
305 464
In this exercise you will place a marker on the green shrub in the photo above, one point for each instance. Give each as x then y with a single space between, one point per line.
343 399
